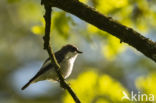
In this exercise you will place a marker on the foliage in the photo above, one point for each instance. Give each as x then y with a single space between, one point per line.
93 88
113 64
147 84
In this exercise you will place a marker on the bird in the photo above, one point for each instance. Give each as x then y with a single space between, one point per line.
66 57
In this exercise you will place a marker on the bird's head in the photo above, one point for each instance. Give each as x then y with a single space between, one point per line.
70 51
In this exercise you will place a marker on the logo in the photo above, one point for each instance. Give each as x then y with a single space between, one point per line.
137 96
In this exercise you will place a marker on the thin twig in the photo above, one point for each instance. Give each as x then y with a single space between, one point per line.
47 47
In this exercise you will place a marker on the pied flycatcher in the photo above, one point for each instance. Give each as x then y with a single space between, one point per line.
65 57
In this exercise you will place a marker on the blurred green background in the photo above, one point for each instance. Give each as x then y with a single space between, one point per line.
101 73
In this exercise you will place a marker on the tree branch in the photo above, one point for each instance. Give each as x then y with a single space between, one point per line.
47 47
125 34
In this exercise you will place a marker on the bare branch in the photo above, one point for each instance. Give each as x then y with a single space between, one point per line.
125 34
47 47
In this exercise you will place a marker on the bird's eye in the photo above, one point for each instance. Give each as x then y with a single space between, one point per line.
73 50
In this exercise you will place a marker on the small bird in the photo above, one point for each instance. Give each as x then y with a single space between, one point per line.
65 57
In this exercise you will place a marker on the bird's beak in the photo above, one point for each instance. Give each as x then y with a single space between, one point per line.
79 52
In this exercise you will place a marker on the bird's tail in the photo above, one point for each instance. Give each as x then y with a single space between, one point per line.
26 85
32 80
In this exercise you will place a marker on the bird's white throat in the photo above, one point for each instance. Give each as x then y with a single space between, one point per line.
67 65
72 59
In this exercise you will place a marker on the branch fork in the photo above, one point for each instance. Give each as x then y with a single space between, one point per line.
47 47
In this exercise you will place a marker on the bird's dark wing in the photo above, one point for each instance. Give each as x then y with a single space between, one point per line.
45 67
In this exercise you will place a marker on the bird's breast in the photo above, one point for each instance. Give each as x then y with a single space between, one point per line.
67 66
